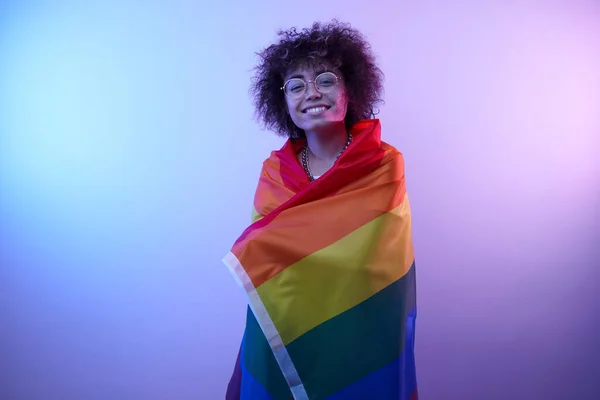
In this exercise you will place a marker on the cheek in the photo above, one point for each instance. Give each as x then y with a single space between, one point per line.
290 107
343 102
291 110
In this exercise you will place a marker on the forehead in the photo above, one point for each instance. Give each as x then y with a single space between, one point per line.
308 69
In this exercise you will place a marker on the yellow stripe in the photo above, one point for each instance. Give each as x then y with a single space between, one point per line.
255 215
340 276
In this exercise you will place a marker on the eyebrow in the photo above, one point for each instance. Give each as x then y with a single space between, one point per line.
317 72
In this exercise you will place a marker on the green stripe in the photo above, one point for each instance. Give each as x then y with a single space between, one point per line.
355 343
341 350
260 361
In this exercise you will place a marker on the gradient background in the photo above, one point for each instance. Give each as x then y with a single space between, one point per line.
129 159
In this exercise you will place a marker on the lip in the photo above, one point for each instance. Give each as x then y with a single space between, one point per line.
327 107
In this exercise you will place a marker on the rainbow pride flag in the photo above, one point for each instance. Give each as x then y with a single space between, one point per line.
329 271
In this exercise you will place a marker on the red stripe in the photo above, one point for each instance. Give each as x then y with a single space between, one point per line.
364 156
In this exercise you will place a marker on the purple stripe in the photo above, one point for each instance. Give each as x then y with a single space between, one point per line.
235 383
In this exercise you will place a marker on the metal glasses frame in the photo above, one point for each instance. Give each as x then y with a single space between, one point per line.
306 84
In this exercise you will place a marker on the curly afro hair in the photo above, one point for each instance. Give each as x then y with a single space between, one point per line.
336 43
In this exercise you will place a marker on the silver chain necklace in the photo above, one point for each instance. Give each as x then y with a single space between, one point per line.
305 157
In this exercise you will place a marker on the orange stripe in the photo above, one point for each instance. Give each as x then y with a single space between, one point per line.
271 192
307 228
361 264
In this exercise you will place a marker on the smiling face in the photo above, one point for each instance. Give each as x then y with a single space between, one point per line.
314 110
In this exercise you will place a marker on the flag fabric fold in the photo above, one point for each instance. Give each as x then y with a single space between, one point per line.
329 271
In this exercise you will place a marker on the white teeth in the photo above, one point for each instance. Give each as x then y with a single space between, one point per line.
316 109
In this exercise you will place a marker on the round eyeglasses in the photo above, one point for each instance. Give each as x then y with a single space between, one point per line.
324 83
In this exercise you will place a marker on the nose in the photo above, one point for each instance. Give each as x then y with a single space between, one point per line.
311 91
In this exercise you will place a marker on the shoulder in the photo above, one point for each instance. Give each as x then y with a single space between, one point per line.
391 152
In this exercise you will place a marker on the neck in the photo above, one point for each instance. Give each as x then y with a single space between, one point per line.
326 144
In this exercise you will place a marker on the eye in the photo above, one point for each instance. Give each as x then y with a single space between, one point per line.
326 80
294 86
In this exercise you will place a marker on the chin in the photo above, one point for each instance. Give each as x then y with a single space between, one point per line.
320 124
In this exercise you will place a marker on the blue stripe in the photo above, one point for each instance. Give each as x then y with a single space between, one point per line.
251 389
395 381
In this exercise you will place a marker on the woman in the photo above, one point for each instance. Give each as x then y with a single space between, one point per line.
328 262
